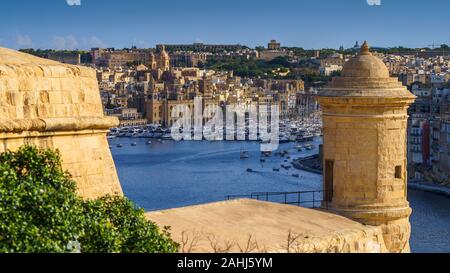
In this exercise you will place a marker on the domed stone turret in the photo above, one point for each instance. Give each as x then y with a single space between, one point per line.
366 76
365 65
365 120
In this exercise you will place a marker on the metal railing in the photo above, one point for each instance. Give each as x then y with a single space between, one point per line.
310 199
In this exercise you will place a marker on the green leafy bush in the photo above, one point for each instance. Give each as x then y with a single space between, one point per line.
41 212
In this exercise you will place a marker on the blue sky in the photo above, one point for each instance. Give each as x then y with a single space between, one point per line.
144 23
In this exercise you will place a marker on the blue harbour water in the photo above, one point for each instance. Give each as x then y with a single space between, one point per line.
175 174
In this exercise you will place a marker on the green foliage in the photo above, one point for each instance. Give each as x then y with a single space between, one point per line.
111 106
116 225
39 208
248 68
41 212
43 53
310 76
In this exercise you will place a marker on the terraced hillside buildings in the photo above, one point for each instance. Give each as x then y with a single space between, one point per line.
154 92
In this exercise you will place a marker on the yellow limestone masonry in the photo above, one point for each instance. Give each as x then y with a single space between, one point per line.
58 106
365 124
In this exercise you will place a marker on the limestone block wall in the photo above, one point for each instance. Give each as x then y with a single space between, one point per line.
366 139
367 150
58 106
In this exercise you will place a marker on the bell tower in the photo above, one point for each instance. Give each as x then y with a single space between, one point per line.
153 63
163 61
365 145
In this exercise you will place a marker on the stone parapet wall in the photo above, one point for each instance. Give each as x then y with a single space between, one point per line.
53 105
251 226
84 154
56 124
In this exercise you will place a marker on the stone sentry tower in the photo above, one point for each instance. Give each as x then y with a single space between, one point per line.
365 146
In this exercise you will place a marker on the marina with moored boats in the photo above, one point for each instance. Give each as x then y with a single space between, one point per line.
289 131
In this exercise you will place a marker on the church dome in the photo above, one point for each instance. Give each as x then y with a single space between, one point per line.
365 65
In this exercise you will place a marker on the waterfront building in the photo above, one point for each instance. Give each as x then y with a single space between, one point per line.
419 131
128 117
440 143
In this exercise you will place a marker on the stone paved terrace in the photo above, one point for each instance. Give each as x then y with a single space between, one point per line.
253 226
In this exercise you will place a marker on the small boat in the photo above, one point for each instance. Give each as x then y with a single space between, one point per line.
244 155
149 142
284 140
276 169
134 144
249 170
119 145
309 147
296 175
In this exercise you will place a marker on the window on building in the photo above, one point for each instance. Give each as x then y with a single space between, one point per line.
398 172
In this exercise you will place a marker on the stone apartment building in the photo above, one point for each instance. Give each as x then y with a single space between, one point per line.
441 142
65 58
128 116
188 59
201 47
273 51
118 58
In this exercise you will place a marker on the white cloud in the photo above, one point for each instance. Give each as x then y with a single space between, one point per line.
65 42
70 42
92 41
23 41
198 40
374 2
73 2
